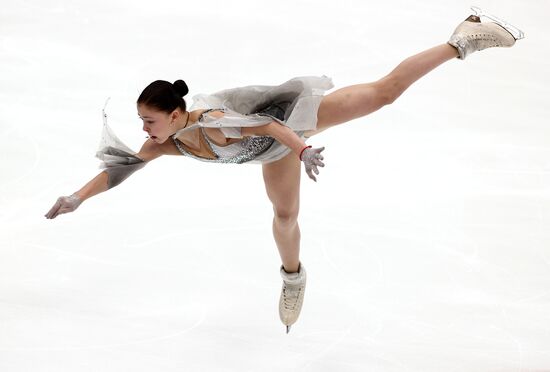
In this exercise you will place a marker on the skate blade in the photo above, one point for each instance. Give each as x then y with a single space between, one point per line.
287 329
516 32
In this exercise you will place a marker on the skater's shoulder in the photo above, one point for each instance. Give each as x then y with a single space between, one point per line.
199 114
150 150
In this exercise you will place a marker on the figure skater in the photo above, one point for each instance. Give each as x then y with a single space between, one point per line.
269 125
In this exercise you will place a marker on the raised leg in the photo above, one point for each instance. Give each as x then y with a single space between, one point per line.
358 100
282 183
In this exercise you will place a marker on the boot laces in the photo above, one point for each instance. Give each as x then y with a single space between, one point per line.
291 295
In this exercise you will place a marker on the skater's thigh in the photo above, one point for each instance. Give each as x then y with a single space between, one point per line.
348 103
282 184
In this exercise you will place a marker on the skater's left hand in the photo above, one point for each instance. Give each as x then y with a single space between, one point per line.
312 158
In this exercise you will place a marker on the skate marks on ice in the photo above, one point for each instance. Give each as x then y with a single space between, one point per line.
105 326
94 305
401 297
18 166
24 157
129 290
440 294
507 170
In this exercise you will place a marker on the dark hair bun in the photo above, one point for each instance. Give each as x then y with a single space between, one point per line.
180 87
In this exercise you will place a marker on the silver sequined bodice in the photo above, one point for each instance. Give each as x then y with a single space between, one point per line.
240 152
293 103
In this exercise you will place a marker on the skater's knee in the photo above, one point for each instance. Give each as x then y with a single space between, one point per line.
285 217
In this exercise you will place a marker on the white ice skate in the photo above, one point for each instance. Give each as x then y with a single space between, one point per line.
292 295
473 35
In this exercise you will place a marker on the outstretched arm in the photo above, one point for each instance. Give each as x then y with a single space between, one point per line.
107 179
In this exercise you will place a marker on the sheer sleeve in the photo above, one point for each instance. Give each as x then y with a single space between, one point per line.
118 160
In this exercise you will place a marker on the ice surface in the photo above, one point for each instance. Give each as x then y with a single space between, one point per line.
426 239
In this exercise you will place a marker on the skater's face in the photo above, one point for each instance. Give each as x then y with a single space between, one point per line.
158 124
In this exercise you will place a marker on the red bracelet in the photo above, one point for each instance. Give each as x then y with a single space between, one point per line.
303 151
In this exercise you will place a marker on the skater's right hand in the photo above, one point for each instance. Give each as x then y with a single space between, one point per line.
64 204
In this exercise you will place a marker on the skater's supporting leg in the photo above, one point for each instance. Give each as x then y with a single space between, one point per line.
282 183
358 100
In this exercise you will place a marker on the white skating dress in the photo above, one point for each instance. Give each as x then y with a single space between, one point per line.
293 103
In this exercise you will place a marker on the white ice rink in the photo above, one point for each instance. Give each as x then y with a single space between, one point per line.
426 238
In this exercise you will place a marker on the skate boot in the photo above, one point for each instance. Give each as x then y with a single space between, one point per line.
473 35
292 295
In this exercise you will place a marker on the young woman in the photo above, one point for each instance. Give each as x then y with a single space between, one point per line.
269 125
